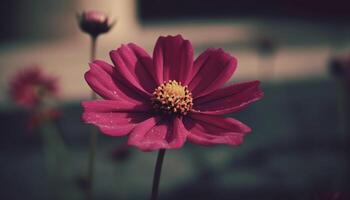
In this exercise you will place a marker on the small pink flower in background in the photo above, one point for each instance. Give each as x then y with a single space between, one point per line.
94 22
30 86
164 100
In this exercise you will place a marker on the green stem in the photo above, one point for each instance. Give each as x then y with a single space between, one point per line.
157 173
91 164
93 48
343 109
344 119
93 134
55 156
266 68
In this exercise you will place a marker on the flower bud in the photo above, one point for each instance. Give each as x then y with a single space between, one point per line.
94 23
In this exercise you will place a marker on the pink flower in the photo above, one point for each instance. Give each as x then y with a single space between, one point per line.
30 86
163 101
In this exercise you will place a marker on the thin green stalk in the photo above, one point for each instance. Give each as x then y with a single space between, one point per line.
93 48
55 157
93 134
266 68
343 109
157 173
344 119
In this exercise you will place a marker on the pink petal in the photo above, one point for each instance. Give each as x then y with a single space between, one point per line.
173 59
229 99
210 71
211 130
105 81
135 66
159 133
115 118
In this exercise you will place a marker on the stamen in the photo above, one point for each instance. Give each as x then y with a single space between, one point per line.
172 98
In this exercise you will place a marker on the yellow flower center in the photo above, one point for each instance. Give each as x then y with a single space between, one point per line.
172 98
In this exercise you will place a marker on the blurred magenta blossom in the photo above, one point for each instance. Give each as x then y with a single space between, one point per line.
164 100
31 86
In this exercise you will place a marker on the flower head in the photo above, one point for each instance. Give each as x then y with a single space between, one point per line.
164 100
30 86
94 23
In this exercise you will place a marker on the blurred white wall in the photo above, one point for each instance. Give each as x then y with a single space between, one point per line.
304 48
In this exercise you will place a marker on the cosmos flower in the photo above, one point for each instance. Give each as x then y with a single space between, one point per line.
94 23
163 101
31 86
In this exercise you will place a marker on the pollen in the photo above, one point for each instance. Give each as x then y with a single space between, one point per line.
172 98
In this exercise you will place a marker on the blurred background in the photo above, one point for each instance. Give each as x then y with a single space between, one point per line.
300 138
